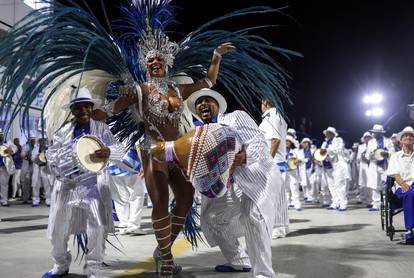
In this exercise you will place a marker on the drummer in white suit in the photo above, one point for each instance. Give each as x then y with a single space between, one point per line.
80 207
40 175
364 195
307 171
274 128
378 151
6 169
292 177
334 147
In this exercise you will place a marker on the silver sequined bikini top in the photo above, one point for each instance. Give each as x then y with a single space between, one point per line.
158 113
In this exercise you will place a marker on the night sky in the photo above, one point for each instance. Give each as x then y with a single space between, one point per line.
350 48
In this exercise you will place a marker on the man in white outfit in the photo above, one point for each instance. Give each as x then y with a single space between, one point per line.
292 176
18 161
334 147
7 168
307 171
249 213
274 128
364 196
354 165
128 194
27 169
40 176
81 204
378 164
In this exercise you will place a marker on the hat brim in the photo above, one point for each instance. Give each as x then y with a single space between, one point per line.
400 134
192 99
95 102
377 131
325 131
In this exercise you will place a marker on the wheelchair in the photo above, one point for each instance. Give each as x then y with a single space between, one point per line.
390 207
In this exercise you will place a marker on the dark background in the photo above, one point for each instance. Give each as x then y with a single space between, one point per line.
350 48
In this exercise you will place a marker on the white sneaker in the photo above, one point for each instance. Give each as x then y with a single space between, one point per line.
135 231
276 233
122 232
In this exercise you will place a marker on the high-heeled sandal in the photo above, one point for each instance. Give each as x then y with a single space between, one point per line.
157 258
165 268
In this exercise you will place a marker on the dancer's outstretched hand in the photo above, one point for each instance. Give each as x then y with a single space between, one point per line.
225 48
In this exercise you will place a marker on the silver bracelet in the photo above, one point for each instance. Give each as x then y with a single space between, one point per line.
209 82
217 54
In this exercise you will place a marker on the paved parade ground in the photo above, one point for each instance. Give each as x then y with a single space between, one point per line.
321 244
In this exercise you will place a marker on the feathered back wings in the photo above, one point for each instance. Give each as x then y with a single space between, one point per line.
51 45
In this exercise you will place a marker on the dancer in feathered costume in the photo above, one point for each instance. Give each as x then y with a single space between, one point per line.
60 43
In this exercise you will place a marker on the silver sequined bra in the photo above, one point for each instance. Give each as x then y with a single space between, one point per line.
157 112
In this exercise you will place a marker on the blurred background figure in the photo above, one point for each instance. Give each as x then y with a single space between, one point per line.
40 177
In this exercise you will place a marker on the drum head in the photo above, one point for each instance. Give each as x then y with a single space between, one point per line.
378 154
3 149
318 156
42 157
84 149
291 164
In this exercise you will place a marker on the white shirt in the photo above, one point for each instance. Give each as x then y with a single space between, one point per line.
273 126
373 145
402 164
361 151
336 150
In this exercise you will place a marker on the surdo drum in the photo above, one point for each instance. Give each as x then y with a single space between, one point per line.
78 161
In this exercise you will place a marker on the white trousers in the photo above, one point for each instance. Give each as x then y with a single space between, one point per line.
314 182
40 178
26 180
327 180
95 245
376 183
129 202
293 194
4 185
16 182
281 204
225 219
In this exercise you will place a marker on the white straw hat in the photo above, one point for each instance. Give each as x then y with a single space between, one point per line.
81 95
192 99
306 139
378 129
406 130
330 129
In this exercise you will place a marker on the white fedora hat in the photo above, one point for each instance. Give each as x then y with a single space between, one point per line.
291 139
406 130
292 132
366 134
81 95
378 129
192 99
330 129
306 139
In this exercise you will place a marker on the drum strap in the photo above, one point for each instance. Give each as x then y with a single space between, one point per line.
327 164
308 154
383 163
